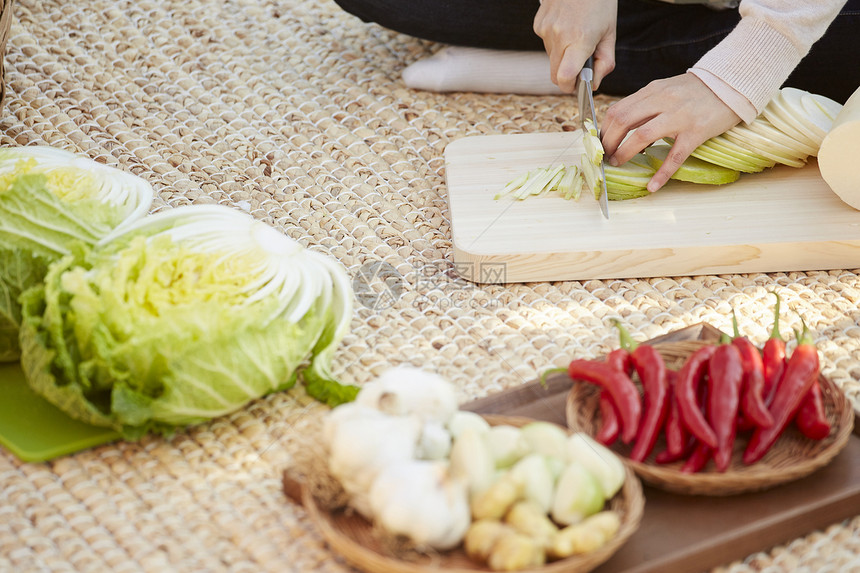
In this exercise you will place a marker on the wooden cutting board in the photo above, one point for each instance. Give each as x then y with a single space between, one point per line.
782 219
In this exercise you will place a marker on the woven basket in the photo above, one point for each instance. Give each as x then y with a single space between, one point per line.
352 537
5 24
793 456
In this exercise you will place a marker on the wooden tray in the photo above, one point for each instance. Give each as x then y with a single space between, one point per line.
782 219
683 533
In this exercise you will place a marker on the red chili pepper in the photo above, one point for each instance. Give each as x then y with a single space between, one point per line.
620 360
624 394
800 374
725 375
753 408
811 418
667 457
686 391
697 460
752 395
745 423
773 357
610 426
651 369
674 430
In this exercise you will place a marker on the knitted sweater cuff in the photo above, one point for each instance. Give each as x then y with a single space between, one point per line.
754 60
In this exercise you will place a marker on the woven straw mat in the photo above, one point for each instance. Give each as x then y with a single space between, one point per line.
295 112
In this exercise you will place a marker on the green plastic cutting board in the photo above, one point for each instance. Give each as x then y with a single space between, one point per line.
34 429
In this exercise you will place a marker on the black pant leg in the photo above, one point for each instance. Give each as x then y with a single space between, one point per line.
496 24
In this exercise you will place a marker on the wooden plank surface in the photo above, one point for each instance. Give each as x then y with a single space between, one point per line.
782 219
685 534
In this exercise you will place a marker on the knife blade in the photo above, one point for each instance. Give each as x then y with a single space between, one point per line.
586 111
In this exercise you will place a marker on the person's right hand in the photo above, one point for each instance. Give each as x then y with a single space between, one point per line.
573 30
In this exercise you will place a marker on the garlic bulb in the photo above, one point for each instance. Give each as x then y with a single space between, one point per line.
434 442
363 445
408 390
420 500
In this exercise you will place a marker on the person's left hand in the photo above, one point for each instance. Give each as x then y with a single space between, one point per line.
681 107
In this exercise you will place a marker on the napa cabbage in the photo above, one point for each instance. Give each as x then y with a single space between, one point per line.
50 201
184 316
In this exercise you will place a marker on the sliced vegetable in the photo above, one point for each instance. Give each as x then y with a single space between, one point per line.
507 444
578 494
545 438
535 475
565 180
693 170
601 462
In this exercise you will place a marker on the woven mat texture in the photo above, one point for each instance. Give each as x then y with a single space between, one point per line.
296 113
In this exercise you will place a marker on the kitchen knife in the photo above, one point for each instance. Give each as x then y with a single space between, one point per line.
586 111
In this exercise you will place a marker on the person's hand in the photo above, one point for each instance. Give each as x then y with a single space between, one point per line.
681 107
573 30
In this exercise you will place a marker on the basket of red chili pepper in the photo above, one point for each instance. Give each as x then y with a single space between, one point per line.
712 417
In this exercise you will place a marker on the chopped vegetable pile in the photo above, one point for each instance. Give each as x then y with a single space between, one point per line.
720 391
514 497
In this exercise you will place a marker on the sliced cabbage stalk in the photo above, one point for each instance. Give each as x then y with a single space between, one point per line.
628 181
184 316
765 128
693 170
751 161
804 113
716 155
761 146
50 201
562 179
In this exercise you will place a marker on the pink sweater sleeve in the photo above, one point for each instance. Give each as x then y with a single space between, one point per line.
748 67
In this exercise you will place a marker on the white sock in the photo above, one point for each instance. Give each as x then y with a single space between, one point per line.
459 69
